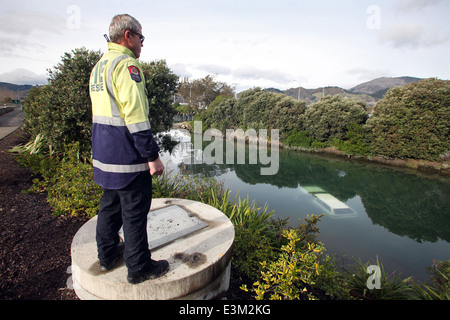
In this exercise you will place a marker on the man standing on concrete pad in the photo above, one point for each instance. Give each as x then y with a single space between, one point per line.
125 154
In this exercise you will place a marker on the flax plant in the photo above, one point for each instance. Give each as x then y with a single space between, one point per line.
392 287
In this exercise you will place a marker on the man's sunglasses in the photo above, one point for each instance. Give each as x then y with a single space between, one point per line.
141 37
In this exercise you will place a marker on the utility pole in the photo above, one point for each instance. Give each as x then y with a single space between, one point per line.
299 88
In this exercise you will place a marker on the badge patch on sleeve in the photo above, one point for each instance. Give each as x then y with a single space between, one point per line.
134 73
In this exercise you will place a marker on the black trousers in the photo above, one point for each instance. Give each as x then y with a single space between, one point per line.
128 207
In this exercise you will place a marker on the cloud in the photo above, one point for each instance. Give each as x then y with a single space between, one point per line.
367 74
181 69
23 76
410 35
253 73
240 74
25 22
27 30
199 70
409 5
213 69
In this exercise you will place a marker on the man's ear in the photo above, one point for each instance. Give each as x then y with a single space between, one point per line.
127 35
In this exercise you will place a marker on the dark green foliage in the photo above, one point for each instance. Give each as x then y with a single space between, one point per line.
66 177
286 115
413 121
392 286
256 109
161 85
357 140
299 139
220 114
61 110
331 116
439 288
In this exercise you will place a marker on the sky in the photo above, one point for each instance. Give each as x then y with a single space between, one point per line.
245 43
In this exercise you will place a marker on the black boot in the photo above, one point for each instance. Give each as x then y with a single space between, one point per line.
155 270
111 263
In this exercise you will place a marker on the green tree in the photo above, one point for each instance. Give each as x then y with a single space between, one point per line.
61 110
220 114
161 84
413 121
35 98
331 117
256 108
286 115
201 92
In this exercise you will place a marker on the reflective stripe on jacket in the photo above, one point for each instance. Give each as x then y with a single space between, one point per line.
122 140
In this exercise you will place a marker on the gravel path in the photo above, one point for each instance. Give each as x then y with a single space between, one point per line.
34 245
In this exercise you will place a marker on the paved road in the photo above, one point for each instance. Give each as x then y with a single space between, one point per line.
10 121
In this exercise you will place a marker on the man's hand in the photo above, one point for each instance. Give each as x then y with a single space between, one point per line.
156 167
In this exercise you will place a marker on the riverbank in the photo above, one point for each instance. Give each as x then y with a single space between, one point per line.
433 167
426 166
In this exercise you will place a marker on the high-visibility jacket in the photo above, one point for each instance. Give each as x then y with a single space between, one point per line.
122 140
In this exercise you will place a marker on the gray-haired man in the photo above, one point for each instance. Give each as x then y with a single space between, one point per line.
125 155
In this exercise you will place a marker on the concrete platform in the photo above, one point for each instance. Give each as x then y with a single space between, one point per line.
195 238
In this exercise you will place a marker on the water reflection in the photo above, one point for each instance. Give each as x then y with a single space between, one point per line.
375 210
406 204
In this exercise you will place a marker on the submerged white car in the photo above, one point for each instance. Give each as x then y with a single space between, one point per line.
332 205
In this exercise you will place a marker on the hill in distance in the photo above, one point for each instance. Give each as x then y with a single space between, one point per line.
370 92
9 91
378 87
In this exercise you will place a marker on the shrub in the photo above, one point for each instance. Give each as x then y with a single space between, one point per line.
161 84
61 110
392 287
299 139
331 116
66 178
296 267
356 140
439 289
251 250
286 115
220 114
300 268
413 121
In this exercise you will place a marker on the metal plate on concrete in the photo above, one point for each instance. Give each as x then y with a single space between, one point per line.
168 224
